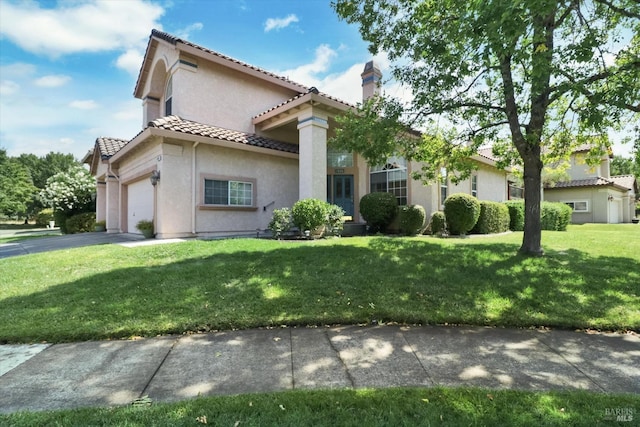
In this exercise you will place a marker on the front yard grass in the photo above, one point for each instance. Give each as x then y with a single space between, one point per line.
589 278
385 407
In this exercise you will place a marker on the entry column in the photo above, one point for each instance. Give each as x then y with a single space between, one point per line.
312 128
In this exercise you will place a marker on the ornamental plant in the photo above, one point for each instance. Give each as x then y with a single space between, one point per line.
310 214
378 209
412 219
462 212
281 222
70 192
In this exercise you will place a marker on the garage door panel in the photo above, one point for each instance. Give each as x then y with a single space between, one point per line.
139 204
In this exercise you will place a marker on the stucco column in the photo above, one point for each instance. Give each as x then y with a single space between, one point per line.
101 201
312 128
150 110
112 200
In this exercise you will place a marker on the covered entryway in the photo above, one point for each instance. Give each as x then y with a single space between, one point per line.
341 192
139 204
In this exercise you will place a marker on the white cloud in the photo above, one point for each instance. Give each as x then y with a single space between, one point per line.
52 80
17 70
74 27
86 104
130 61
8 87
279 23
307 74
185 33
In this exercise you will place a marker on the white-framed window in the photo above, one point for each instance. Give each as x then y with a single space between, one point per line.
474 185
444 189
339 159
168 97
390 178
221 192
578 205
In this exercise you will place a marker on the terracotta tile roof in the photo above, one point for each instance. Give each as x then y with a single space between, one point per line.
174 40
588 182
311 90
487 153
627 181
177 124
110 146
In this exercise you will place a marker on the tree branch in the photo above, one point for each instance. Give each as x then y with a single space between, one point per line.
620 10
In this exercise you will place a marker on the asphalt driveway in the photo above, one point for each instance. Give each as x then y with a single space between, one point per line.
53 243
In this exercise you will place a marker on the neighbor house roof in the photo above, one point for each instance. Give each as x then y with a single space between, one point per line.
177 124
110 146
627 181
588 182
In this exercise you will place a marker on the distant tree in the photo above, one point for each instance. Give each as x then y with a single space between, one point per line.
622 166
16 187
512 72
44 167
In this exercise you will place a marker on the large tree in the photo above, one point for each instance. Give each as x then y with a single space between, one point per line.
16 187
534 77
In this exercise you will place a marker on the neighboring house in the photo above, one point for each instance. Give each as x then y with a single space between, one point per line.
225 143
593 193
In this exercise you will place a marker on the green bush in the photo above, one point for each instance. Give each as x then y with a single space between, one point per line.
44 216
310 214
494 218
335 220
412 219
81 223
281 222
462 212
516 214
60 219
378 209
555 216
438 223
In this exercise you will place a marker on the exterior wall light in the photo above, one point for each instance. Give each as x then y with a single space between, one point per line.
155 177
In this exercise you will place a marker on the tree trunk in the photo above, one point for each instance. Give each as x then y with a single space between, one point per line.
531 242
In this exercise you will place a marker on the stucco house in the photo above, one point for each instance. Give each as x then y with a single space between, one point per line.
224 143
593 193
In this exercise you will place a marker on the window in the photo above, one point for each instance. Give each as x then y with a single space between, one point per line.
515 192
339 159
228 193
168 96
474 185
390 178
443 185
579 206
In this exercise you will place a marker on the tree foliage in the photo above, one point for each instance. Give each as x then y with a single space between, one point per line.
534 78
16 187
70 192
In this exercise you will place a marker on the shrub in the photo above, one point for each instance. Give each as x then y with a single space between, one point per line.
60 219
378 209
494 218
335 220
411 219
555 216
309 214
281 222
146 228
462 211
516 214
438 223
81 223
44 216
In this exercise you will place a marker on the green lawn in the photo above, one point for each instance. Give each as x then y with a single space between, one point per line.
589 279
388 407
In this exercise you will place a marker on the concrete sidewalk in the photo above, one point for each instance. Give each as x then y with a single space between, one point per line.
107 373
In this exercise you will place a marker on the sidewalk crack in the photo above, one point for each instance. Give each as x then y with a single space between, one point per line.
344 365
293 378
146 387
413 351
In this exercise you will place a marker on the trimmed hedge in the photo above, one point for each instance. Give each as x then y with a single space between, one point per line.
309 214
81 223
555 216
378 209
494 218
462 212
438 223
516 214
411 219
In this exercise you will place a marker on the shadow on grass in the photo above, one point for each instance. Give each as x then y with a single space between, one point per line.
386 280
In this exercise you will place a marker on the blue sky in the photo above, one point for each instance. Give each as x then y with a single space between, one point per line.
68 68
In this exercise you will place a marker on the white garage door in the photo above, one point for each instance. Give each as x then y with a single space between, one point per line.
614 212
139 204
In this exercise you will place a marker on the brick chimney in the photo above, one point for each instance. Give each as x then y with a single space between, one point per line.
371 80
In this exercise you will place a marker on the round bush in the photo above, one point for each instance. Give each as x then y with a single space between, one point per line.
378 209
516 214
81 223
281 222
494 218
462 212
335 220
555 216
44 216
411 219
438 224
309 214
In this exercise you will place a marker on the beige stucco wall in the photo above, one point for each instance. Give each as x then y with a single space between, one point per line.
579 169
601 209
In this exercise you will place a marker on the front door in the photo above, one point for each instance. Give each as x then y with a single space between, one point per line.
342 193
